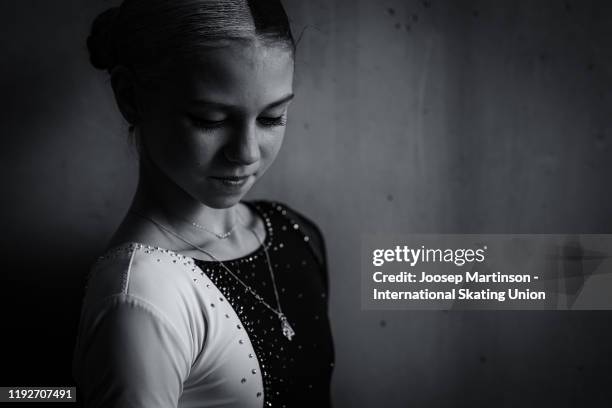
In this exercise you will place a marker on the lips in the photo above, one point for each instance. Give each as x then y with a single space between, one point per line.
232 178
233 183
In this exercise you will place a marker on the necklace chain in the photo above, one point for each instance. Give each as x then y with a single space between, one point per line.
286 327
223 235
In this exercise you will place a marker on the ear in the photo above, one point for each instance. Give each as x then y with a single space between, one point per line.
123 82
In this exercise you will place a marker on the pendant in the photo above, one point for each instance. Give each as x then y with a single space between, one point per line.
288 331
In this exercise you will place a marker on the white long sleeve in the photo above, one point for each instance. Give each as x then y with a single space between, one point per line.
134 359
153 333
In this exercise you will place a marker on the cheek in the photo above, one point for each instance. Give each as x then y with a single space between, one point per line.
178 147
271 146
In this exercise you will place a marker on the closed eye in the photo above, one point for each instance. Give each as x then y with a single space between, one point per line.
273 121
266 121
206 124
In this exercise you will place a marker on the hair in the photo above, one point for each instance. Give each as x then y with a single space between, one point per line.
148 36
142 34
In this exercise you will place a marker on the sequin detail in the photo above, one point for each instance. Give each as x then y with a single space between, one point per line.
287 367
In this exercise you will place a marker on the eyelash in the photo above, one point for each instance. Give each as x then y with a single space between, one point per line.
273 122
264 121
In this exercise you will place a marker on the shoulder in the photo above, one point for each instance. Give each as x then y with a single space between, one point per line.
154 280
289 212
300 221
137 270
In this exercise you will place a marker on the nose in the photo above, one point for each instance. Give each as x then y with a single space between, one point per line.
243 147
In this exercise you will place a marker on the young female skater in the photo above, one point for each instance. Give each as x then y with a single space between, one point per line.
203 299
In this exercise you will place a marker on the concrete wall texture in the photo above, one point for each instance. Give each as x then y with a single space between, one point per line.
432 116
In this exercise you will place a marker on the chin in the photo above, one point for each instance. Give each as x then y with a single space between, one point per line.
219 196
221 202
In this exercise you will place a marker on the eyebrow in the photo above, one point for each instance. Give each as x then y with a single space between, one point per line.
218 105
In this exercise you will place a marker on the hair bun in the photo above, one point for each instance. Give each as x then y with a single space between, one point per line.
100 40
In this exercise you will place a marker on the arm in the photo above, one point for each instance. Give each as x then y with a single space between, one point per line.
132 357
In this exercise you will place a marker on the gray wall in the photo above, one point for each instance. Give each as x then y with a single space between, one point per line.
411 116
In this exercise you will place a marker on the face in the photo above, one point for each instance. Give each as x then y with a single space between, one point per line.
216 126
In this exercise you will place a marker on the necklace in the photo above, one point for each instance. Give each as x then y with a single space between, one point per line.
222 235
287 330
